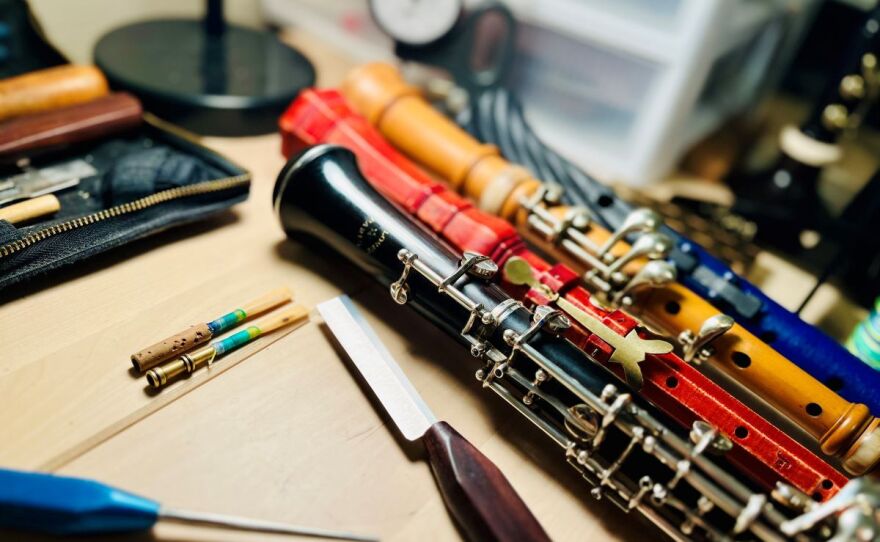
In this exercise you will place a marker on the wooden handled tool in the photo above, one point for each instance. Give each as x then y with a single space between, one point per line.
48 89
844 429
111 114
200 333
30 209
476 492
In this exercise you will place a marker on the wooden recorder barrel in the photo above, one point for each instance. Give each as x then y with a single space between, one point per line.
844 429
841 427
474 169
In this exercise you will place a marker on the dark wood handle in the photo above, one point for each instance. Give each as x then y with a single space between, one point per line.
23 136
480 498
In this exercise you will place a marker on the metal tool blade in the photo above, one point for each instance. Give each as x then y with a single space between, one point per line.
37 182
393 389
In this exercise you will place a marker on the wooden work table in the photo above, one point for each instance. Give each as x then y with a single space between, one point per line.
280 429
288 434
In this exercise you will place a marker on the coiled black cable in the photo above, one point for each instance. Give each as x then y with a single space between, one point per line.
497 117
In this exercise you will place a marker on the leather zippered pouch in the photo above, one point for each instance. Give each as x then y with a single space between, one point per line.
130 186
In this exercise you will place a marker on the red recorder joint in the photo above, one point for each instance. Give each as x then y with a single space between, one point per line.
759 448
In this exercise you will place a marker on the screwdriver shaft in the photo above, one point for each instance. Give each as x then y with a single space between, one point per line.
256 525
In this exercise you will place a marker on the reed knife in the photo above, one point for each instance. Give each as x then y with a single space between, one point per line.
479 497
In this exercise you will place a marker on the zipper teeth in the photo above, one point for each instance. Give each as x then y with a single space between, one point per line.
171 194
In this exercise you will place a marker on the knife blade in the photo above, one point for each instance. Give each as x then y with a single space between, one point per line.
37 182
396 393
475 491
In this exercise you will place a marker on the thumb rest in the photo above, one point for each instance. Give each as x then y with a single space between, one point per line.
843 429
630 456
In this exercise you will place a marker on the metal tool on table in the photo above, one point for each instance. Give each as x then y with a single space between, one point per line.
61 505
47 180
476 492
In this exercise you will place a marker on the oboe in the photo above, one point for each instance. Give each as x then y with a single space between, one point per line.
629 455
842 428
683 393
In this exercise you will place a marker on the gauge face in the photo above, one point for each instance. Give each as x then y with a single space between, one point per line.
416 22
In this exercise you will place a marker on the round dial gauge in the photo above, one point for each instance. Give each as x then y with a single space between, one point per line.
416 22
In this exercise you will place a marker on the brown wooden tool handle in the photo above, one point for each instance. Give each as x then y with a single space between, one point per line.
51 88
475 169
24 136
476 492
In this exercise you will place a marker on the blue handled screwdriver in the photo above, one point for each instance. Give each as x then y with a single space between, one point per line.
61 505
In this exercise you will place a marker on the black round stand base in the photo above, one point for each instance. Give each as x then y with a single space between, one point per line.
232 83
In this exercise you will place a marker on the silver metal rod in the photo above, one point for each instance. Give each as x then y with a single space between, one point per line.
256 525
557 436
723 500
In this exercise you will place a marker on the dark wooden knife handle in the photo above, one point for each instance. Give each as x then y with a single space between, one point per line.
23 136
476 492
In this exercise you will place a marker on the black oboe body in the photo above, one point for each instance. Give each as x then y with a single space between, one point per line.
627 452
323 196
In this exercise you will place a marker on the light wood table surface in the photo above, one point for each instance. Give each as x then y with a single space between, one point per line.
280 429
